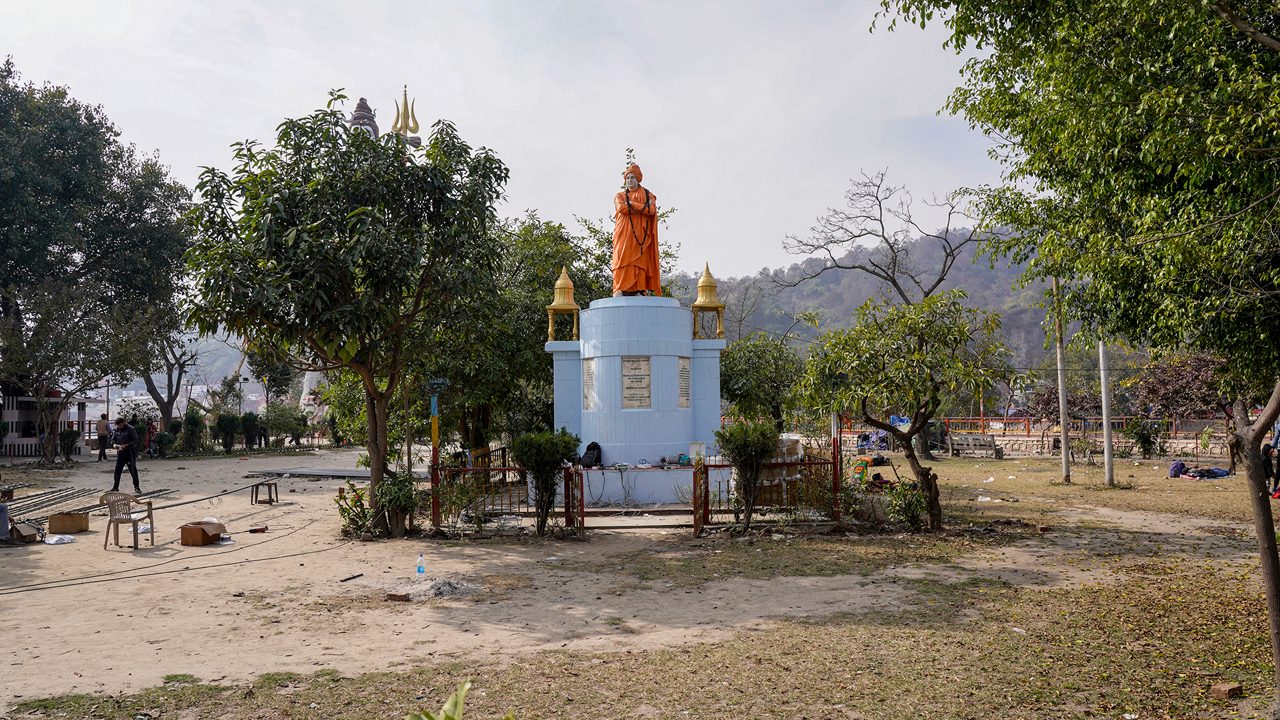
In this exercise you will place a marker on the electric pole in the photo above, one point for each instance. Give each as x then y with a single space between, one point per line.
1105 377
1065 437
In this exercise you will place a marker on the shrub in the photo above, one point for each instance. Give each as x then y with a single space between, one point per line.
228 428
175 427
748 446
396 498
354 509
1146 435
543 454
905 503
192 429
284 419
166 441
67 440
250 428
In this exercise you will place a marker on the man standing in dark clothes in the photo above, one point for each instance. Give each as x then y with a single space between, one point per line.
125 440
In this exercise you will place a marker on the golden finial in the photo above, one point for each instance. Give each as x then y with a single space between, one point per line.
708 301
562 303
406 122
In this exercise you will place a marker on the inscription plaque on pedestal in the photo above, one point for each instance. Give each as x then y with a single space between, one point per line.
684 383
589 399
635 382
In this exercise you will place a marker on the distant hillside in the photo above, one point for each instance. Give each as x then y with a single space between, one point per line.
759 303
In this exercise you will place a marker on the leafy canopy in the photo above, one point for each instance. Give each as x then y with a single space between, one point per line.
1141 144
757 375
336 246
543 454
90 237
341 250
905 359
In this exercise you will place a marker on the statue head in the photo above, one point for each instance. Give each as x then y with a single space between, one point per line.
632 176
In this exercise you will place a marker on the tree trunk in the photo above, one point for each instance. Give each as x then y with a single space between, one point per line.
376 444
163 404
478 426
927 480
926 452
1248 438
47 414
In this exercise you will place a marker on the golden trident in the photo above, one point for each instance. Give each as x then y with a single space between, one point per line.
406 122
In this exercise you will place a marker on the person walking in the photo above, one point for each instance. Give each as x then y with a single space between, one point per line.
125 440
104 437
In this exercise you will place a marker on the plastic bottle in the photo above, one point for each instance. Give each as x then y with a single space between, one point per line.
422 567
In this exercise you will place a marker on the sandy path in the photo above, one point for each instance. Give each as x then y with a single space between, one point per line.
234 612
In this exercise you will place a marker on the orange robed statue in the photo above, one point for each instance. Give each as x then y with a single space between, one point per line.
635 237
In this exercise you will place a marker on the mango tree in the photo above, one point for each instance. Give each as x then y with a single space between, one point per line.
1149 171
906 360
345 251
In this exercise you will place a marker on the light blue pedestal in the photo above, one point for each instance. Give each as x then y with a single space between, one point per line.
638 342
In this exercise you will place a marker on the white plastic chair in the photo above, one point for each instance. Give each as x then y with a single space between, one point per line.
120 512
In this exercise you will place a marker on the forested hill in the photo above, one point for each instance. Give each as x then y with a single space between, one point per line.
759 303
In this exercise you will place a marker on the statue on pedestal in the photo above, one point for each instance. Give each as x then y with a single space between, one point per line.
635 237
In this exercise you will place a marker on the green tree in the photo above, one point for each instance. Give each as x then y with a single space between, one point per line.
192 429
346 251
543 454
273 371
1148 169
89 237
227 427
757 375
498 372
905 360
747 446
284 419
249 426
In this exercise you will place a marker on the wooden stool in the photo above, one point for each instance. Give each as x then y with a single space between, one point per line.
273 493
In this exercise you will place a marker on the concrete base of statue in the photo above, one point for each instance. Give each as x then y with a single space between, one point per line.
638 384
632 487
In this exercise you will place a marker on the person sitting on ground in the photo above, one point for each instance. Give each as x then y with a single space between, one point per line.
878 483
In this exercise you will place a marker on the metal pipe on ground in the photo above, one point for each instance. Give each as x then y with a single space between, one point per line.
54 498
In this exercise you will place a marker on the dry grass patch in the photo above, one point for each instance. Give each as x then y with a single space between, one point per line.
1149 645
1037 487
689 562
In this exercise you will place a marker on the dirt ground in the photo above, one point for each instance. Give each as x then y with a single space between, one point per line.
80 619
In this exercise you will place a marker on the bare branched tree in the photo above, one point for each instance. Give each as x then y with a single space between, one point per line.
175 356
876 233
742 299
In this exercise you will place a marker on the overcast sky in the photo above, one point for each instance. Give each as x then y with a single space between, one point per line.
750 118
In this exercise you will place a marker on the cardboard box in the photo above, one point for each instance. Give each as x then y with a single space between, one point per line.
24 532
68 523
201 533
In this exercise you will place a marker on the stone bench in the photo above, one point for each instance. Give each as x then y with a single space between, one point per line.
985 444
